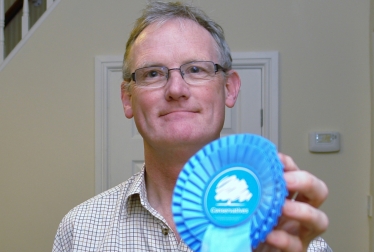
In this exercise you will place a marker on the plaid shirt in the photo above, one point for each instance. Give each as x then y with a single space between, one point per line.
121 219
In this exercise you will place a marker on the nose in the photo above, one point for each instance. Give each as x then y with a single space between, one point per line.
171 69
176 88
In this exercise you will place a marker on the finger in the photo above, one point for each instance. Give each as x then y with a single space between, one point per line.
289 164
285 242
265 247
313 221
310 189
290 226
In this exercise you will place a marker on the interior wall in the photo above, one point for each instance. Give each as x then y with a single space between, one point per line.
47 106
371 236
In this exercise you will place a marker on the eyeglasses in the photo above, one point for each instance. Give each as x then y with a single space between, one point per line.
193 73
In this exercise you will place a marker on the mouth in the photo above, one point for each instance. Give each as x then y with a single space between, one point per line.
178 113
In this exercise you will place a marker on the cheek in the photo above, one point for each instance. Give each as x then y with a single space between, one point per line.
143 103
214 100
139 109
216 95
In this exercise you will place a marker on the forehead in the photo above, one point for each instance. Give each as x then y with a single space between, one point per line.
172 43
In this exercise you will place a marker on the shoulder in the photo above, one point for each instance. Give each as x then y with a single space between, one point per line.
96 212
319 244
105 201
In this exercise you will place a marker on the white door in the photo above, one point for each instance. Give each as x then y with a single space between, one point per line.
119 146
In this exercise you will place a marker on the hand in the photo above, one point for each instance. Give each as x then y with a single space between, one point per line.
301 220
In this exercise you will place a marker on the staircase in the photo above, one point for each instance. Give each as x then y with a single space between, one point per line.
18 21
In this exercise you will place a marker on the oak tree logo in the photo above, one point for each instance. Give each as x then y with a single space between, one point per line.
233 191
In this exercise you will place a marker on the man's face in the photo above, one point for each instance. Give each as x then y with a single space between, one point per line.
177 114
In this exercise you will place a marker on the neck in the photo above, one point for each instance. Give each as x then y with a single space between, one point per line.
162 170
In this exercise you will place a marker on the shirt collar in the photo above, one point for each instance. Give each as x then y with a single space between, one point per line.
137 189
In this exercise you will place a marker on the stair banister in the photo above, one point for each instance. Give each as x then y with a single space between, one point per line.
25 18
49 4
26 31
2 24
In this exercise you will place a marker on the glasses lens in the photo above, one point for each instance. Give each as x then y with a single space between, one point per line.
194 73
198 72
151 76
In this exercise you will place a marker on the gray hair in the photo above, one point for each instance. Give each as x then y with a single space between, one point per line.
160 12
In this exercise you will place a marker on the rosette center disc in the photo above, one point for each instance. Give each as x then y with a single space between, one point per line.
232 196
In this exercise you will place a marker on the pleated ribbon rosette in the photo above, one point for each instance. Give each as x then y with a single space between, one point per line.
229 195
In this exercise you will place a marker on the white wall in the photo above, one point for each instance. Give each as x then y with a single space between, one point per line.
371 237
47 105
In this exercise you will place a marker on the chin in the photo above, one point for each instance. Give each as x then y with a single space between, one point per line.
196 139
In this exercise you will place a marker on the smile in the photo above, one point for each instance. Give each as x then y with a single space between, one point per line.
178 114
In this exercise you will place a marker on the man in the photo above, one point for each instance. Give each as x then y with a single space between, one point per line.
177 81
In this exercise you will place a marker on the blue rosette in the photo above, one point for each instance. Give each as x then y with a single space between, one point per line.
233 186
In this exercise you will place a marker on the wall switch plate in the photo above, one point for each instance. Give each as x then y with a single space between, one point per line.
327 141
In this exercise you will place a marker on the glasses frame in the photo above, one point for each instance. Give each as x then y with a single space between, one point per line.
217 67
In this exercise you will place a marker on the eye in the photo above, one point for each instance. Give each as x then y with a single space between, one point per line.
152 73
194 69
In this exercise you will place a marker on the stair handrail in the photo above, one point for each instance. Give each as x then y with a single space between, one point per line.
2 26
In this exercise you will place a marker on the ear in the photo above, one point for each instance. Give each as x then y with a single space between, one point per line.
126 100
232 88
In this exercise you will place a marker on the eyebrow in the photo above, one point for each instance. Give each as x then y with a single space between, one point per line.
148 64
151 64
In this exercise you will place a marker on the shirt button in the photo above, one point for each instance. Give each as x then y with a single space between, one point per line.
165 231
